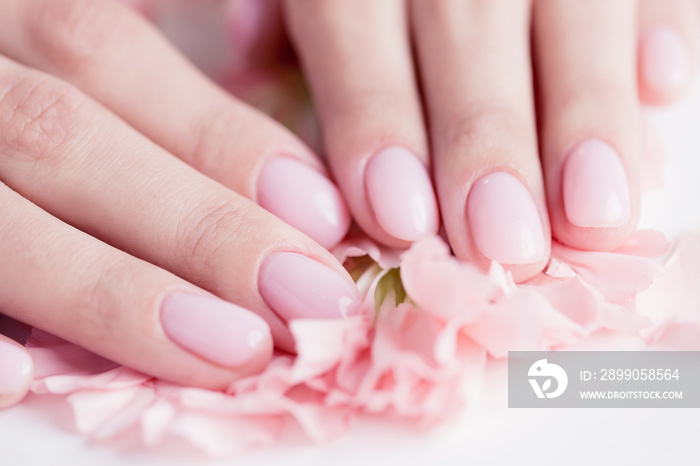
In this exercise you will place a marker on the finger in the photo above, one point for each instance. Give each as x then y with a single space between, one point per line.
669 34
358 60
145 7
73 158
590 139
256 32
63 281
474 62
16 372
118 58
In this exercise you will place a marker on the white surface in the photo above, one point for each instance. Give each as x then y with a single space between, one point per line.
488 434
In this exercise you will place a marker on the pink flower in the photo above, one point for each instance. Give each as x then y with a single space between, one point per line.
420 354
420 350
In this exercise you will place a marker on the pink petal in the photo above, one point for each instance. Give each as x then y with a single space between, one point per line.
440 285
619 277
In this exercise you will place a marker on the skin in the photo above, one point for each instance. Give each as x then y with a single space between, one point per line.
479 107
76 195
119 187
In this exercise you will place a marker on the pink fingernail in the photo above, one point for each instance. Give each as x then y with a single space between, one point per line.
16 368
401 194
595 189
296 286
214 329
504 220
244 21
305 199
664 61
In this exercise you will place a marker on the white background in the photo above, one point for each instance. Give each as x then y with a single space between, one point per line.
36 433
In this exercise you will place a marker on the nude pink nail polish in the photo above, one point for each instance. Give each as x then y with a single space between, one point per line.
16 368
399 189
594 186
305 199
296 286
663 59
504 220
213 329
244 20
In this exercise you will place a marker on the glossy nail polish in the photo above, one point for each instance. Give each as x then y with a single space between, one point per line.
213 329
504 220
305 199
663 60
401 194
296 286
16 368
594 186
244 20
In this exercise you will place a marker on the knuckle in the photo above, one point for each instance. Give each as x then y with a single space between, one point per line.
616 99
485 124
212 232
208 146
370 104
613 106
109 281
209 140
37 116
74 33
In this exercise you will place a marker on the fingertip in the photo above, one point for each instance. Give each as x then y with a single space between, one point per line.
522 273
296 286
506 225
664 67
217 331
401 194
599 207
16 372
303 198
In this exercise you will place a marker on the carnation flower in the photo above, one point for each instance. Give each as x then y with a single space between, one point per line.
416 356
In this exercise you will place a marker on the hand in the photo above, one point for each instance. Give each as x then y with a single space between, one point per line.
130 226
516 158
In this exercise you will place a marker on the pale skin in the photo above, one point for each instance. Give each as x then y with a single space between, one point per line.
87 118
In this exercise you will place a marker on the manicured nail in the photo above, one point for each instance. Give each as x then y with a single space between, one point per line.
401 194
305 199
664 63
296 286
16 367
244 20
504 220
214 329
595 189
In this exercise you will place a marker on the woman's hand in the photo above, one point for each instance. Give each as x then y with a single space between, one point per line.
129 218
523 144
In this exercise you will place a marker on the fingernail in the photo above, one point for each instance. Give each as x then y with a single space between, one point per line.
304 199
296 286
505 223
664 59
16 367
244 21
595 189
401 194
213 329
